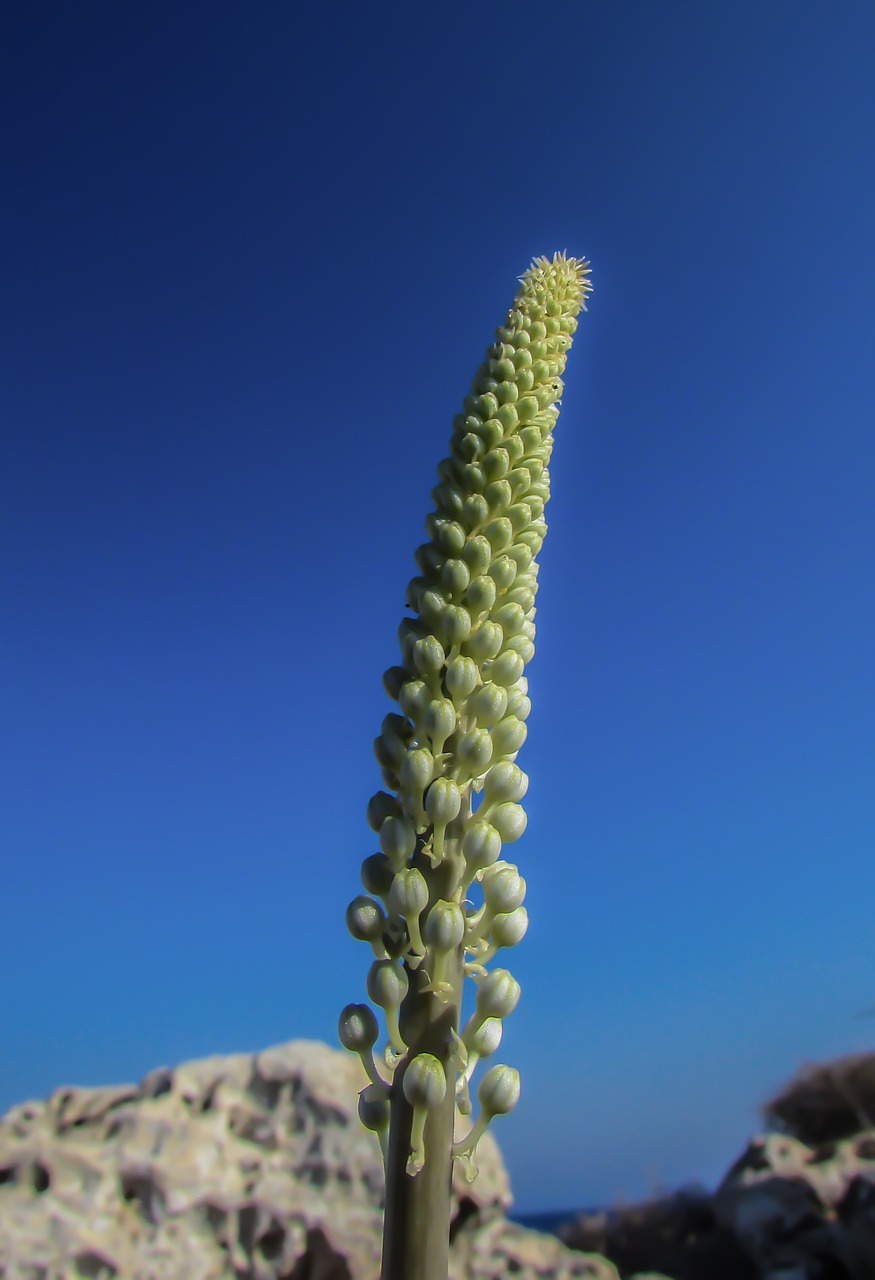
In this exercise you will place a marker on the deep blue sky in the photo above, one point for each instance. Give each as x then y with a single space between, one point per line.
252 256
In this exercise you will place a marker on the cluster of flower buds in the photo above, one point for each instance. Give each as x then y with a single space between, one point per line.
448 754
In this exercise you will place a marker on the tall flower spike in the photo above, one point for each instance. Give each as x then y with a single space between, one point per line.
452 788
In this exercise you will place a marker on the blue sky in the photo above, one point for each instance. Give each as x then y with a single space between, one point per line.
252 258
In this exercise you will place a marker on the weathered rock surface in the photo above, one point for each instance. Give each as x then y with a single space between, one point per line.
245 1167
796 1205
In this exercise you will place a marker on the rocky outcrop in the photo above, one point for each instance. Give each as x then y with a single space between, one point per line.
246 1167
797 1205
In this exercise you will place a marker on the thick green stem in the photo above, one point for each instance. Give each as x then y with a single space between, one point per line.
416 1231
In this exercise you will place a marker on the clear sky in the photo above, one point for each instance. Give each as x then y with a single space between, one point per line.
252 257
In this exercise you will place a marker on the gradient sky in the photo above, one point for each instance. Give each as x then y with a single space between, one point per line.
252 257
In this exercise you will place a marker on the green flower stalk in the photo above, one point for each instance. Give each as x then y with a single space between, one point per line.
453 790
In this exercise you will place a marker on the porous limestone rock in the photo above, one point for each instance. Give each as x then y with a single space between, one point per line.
803 1211
242 1167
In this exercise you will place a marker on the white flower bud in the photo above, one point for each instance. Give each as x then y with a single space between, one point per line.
509 928
387 987
397 840
509 821
477 554
444 926
428 656
474 752
505 670
505 781
499 1090
497 995
481 846
488 705
485 641
461 678
503 888
425 1087
508 736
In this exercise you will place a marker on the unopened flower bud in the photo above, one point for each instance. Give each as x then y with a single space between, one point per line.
509 928
499 1093
477 554
497 995
380 807
474 752
428 656
480 596
505 781
444 926
485 641
461 678
387 987
505 670
439 722
509 821
508 736
397 840
393 679
408 897
443 803
425 1087
373 1109
366 921
481 845
488 705
377 874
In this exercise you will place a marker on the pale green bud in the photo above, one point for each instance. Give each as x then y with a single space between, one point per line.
503 570
497 996
496 464
484 642
509 821
488 706
475 511
444 926
425 1087
387 987
428 656
416 770
510 617
461 678
439 722
508 736
505 670
481 593
481 846
500 533
397 840
509 928
503 888
499 1090
474 752
414 697
408 897
499 496
443 801
504 781
477 554
455 577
